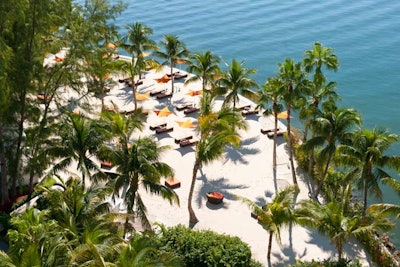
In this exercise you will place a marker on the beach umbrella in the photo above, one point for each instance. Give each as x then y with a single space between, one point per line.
186 124
283 115
164 79
165 112
141 97
194 93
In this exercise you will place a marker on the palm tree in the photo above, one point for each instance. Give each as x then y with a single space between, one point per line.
136 42
83 215
335 219
98 67
292 77
35 241
276 214
138 164
317 94
272 92
318 57
174 50
330 129
80 141
366 154
237 81
204 66
217 131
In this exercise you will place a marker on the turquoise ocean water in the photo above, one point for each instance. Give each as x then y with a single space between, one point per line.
365 35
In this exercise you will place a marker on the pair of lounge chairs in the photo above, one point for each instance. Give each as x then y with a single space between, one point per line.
249 112
177 75
163 95
157 92
179 140
184 106
270 132
187 142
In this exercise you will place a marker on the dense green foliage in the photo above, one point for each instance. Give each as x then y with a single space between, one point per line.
205 248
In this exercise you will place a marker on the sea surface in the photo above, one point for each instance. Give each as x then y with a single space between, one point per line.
365 35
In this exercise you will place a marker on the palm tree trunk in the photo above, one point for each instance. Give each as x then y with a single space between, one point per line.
134 93
271 234
321 181
172 79
290 147
275 136
192 216
366 181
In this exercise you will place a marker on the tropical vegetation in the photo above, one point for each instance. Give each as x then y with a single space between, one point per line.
58 143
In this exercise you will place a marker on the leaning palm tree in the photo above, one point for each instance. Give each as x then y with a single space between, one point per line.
365 153
276 214
292 76
237 81
336 221
272 92
332 128
204 66
80 141
174 50
217 131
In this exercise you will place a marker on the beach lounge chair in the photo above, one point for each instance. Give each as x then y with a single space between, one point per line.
155 127
163 95
136 84
164 130
278 133
172 182
265 131
247 107
191 110
156 92
187 142
179 140
180 76
181 107
249 112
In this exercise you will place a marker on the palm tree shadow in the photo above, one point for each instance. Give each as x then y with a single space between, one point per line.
236 155
185 150
219 185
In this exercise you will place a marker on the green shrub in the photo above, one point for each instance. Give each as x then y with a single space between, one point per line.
328 263
206 248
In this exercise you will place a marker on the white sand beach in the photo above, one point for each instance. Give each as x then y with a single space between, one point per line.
245 172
